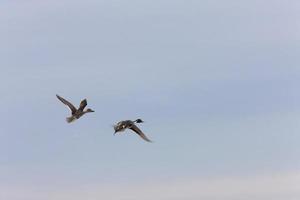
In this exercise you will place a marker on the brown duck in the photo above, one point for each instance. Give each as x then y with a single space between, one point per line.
76 113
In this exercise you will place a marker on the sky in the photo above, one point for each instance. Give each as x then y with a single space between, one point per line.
214 81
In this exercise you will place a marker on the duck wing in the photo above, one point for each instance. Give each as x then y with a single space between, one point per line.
139 132
72 108
82 105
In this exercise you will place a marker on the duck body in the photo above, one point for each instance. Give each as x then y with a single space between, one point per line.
75 116
123 125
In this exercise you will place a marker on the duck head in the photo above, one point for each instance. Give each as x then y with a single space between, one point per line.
89 110
139 121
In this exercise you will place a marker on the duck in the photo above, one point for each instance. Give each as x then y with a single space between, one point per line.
76 113
129 124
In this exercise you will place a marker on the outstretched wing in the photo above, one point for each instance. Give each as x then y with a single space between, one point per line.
82 105
139 132
72 108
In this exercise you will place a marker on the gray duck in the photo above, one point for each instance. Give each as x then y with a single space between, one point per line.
128 124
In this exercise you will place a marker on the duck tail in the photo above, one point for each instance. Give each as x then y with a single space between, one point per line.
70 119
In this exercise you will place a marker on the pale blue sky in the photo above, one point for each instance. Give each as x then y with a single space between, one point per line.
215 81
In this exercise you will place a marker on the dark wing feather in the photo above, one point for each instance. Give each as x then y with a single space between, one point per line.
73 109
82 105
139 132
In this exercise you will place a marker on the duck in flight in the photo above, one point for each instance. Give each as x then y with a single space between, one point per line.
128 124
76 113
